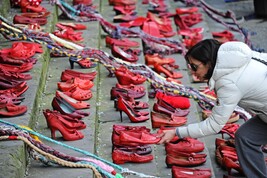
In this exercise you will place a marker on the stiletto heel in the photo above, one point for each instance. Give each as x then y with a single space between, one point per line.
130 112
121 115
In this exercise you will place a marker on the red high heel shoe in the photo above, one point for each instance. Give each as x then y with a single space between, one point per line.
230 164
130 112
161 69
175 114
69 74
115 92
67 134
128 103
83 63
26 6
175 111
126 77
73 102
119 53
133 103
69 122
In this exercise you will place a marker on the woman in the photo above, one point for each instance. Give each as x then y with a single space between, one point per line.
233 70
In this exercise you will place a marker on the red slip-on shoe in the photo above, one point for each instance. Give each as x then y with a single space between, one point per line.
185 159
186 145
66 109
121 42
83 84
121 157
159 120
73 102
69 74
140 138
11 110
18 19
79 94
179 172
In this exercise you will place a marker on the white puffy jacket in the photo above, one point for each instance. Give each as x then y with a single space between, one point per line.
237 80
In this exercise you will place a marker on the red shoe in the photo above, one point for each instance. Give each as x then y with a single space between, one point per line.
69 34
71 101
153 59
179 172
11 110
175 101
223 34
19 90
124 18
83 63
123 10
132 114
190 10
169 74
126 77
159 120
82 84
66 109
185 159
10 98
70 74
140 150
152 29
192 19
79 94
137 88
121 157
67 134
119 53
185 145
69 122
18 19
14 68
121 42
27 6
162 104
139 138
14 75
116 92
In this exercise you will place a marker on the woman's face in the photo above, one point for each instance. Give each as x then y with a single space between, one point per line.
197 68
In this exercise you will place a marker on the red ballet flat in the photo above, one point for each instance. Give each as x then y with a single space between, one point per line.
11 110
69 74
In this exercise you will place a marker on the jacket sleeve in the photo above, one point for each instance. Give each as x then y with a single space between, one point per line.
228 96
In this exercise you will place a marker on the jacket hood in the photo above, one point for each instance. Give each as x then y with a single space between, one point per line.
231 57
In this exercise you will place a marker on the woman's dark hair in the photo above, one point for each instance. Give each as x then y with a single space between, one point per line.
206 52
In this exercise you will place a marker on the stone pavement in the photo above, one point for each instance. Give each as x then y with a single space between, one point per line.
14 163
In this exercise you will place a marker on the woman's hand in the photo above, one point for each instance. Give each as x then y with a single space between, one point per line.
167 136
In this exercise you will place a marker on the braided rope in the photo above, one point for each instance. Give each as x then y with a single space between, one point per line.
24 132
54 158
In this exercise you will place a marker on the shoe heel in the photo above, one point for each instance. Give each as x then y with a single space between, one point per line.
121 115
116 104
71 63
53 133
